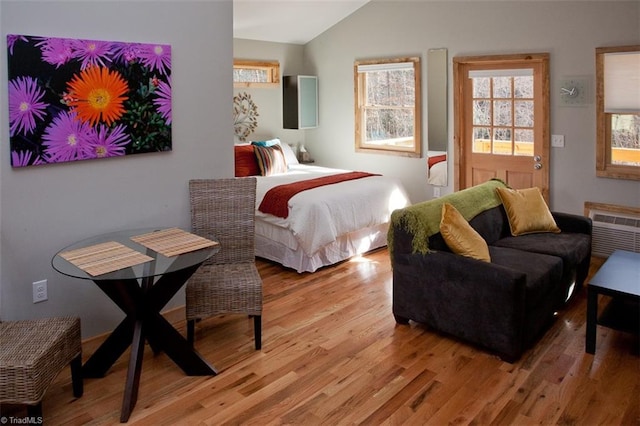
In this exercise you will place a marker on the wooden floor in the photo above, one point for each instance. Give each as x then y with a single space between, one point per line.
332 354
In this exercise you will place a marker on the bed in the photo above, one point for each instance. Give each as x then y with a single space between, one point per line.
437 168
328 223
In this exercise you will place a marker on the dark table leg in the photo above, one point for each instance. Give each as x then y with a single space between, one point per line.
177 347
128 295
592 320
142 304
110 350
133 373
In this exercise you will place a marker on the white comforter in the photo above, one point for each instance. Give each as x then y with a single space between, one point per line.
319 216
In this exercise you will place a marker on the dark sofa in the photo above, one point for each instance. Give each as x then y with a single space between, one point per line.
503 306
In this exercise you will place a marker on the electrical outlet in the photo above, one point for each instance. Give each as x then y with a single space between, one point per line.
557 141
40 291
436 191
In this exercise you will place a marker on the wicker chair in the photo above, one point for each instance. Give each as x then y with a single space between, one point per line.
32 353
224 210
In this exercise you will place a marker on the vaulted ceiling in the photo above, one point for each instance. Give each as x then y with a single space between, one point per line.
289 21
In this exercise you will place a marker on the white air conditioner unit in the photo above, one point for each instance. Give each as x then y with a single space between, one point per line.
614 231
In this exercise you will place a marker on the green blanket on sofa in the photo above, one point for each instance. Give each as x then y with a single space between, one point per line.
422 220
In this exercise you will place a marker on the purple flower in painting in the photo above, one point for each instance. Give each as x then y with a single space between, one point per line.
92 52
21 158
125 52
163 100
109 144
67 139
11 41
25 105
156 57
55 51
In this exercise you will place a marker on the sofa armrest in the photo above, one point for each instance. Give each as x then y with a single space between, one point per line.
477 301
402 242
573 223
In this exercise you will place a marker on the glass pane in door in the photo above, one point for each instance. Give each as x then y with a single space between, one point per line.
503 115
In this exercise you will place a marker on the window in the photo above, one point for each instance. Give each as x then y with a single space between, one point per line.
503 113
618 112
387 106
256 73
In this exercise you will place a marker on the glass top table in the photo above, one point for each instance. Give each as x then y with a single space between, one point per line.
140 291
159 266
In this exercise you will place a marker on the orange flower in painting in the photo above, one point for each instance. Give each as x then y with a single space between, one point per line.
97 95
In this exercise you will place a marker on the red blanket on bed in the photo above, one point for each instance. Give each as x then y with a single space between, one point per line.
436 159
276 200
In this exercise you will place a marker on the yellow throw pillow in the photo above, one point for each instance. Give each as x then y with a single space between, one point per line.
460 236
527 211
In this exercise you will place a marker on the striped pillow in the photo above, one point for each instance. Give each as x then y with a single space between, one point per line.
270 159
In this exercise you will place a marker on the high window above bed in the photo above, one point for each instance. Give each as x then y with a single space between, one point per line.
250 73
387 106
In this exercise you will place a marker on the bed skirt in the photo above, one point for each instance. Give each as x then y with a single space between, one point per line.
277 244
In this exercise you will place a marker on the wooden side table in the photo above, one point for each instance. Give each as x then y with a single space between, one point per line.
619 277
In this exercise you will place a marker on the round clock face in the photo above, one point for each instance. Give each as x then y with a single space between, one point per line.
573 91
570 91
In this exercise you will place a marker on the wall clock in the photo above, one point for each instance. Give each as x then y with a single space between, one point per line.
575 91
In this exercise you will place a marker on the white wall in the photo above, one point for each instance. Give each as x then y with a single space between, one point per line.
569 31
47 207
269 100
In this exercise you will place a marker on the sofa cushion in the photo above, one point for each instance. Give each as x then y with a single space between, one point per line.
460 237
527 211
571 247
543 272
543 289
491 224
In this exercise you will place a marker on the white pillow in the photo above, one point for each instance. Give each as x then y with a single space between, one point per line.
289 155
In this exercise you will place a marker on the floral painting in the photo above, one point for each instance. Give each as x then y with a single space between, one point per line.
74 99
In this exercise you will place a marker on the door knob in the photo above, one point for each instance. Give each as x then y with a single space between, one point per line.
537 158
537 166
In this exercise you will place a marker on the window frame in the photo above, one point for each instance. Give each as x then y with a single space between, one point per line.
359 93
604 166
272 68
